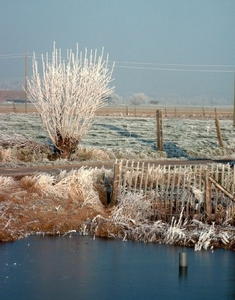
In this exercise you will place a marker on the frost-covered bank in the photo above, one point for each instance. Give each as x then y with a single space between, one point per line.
77 201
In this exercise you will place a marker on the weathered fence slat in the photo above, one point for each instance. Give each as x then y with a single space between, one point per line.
146 179
115 184
208 208
136 176
141 176
152 179
170 188
156 197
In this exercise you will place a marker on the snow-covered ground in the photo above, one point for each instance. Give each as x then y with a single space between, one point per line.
135 138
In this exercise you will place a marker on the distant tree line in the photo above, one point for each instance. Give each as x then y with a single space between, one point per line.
135 99
171 99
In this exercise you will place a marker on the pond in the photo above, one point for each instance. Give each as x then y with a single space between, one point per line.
80 267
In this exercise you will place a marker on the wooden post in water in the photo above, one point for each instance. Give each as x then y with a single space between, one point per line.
183 262
218 132
115 184
207 203
159 130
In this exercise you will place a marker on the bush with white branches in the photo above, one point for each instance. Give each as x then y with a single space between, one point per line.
68 93
138 99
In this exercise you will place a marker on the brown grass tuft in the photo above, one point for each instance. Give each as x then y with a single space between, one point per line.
85 154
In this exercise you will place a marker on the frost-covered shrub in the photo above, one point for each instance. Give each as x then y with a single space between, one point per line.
138 99
68 93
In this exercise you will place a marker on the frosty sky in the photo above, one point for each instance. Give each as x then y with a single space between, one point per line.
161 47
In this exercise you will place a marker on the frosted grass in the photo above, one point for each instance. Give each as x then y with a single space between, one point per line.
183 138
135 138
25 125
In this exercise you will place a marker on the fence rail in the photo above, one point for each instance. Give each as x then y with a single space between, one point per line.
205 192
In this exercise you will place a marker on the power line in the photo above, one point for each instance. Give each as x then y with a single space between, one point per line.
213 68
3 56
180 65
176 69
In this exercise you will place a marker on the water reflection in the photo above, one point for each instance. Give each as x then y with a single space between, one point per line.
83 268
183 271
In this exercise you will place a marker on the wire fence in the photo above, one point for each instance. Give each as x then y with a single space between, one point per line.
137 136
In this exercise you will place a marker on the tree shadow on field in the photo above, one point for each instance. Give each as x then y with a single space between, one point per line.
172 150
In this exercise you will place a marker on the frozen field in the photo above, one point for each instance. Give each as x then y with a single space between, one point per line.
135 138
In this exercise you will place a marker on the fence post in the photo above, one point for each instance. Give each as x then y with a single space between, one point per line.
218 132
115 184
207 204
14 107
159 130
203 112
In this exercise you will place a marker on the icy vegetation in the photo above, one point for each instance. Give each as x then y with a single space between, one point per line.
77 200
110 138
72 201
133 216
48 203
68 93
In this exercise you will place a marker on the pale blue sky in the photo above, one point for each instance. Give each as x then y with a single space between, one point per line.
160 35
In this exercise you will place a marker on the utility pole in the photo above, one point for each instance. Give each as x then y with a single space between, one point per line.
26 82
234 100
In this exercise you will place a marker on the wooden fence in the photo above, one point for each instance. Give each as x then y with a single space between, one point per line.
205 192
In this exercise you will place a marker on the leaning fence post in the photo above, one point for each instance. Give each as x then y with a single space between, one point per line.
207 205
159 130
218 131
115 184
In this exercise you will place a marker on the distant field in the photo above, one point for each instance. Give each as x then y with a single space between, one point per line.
224 112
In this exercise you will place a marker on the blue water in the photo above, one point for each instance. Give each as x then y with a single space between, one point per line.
82 268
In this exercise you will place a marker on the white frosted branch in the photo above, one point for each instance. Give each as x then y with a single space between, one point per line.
69 92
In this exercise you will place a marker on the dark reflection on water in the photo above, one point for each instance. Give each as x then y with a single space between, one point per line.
82 268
